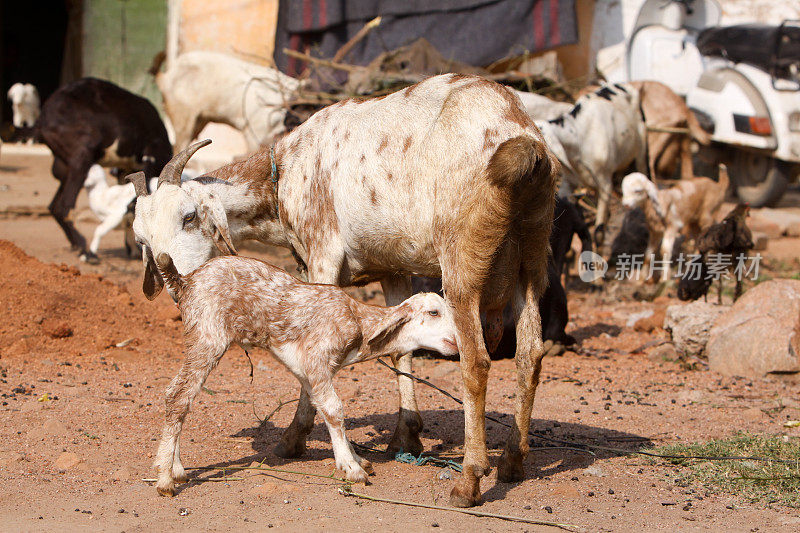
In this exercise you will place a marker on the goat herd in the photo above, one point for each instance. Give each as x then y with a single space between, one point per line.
450 177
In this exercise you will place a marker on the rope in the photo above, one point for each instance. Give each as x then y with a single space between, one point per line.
274 165
422 460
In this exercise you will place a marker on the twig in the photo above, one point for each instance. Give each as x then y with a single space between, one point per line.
345 49
323 62
345 491
281 403
114 399
153 480
268 469
668 129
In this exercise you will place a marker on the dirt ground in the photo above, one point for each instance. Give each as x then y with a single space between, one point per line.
85 358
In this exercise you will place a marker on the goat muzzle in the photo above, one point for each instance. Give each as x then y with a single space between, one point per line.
172 170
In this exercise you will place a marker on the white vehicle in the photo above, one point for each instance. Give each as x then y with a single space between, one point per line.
742 82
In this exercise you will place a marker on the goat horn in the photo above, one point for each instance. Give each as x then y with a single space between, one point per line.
172 170
139 181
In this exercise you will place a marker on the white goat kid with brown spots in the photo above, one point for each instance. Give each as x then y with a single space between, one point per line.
448 177
314 330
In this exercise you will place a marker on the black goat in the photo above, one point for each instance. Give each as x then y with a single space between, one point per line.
568 220
93 121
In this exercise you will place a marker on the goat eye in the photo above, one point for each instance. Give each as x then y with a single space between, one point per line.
434 312
189 218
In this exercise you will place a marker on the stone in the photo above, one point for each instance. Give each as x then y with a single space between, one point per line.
782 218
66 460
54 427
690 325
765 227
760 334
649 323
793 229
663 352
760 241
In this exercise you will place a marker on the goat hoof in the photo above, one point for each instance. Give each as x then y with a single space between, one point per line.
367 466
406 435
89 257
510 469
166 491
468 496
355 474
290 450
179 476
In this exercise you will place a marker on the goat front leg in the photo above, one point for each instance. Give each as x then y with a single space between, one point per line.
475 365
409 423
329 405
71 175
179 396
111 222
530 351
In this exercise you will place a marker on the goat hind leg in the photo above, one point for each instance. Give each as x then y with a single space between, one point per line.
530 351
409 423
475 365
293 439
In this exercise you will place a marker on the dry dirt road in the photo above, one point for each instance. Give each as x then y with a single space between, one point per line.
84 360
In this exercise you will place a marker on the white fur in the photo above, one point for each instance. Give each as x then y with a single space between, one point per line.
202 87
599 138
25 104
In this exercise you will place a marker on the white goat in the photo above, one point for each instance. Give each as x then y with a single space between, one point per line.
314 330
689 207
25 104
448 177
202 87
602 134
110 203
541 107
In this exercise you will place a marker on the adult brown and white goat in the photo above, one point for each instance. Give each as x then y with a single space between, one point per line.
448 177
602 134
314 330
689 207
202 87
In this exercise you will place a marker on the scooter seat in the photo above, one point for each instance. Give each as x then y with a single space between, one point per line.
770 48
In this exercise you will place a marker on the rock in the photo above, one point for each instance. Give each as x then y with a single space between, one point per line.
690 325
663 352
57 330
445 473
595 471
760 241
793 229
779 217
66 460
655 320
54 427
636 317
765 227
759 334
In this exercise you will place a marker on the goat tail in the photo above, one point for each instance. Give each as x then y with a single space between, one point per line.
523 160
172 277
155 65
724 179
696 130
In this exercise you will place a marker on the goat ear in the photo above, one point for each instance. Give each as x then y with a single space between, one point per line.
388 328
215 222
152 283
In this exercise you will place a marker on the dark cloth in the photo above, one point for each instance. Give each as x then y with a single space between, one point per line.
477 32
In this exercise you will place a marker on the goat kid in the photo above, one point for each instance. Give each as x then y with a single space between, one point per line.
687 208
314 330
603 133
25 105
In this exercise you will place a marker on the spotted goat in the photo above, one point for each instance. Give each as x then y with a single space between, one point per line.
449 177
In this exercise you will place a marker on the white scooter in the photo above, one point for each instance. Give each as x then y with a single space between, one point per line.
742 82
